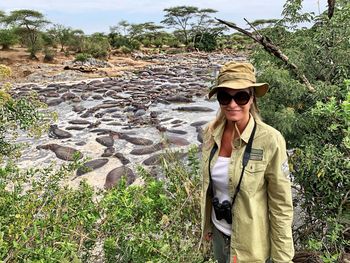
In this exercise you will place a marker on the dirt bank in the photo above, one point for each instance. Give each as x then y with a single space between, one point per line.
25 69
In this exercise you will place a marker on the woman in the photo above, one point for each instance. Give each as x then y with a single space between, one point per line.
247 206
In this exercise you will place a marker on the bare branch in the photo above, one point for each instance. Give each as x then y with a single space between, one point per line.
270 47
331 5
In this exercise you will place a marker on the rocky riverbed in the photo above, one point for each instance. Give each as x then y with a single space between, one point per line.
119 123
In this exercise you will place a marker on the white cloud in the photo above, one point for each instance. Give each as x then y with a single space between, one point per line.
88 14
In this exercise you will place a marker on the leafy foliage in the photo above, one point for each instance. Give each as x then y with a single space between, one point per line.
315 125
18 114
157 221
8 38
42 221
48 221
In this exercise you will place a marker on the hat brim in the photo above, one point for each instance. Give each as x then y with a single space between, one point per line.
259 88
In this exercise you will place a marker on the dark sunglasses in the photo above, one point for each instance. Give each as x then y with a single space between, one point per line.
241 98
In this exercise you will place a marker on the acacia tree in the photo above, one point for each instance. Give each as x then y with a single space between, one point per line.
121 28
7 36
61 34
180 17
28 24
76 41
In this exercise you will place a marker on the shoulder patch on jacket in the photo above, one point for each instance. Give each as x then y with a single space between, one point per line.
285 169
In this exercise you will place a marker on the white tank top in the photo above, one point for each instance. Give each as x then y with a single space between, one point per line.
219 175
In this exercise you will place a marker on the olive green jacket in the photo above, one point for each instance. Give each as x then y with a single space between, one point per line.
263 210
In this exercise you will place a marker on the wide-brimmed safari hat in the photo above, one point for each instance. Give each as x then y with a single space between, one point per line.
238 75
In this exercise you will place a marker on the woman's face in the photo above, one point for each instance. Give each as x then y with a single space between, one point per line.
233 111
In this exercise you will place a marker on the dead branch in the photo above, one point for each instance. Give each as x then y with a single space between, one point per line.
331 5
270 47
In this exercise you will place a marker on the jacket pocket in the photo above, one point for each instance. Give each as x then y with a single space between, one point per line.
253 177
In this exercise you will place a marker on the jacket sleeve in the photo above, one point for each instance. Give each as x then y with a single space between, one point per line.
280 203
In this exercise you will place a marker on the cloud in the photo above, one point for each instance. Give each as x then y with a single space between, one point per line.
94 14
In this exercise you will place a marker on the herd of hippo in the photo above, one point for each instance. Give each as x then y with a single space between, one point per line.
119 123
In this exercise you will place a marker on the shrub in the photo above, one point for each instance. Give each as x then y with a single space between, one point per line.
315 125
82 57
23 113
49 55
205 42
8 38
157 221
125 50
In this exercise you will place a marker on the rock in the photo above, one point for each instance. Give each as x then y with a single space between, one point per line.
55 132
90 166
107 141
114 176
195 108
62 152
121 158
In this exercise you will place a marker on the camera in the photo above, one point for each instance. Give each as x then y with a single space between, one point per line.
222 210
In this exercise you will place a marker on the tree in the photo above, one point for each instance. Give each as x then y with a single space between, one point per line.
8 38
61 34
122 28
76 41
180 17
28 24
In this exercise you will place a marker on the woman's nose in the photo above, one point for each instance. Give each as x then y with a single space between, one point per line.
232 103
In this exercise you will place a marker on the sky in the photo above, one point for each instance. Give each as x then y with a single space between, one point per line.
98 16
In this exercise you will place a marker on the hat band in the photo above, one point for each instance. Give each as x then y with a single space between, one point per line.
235 76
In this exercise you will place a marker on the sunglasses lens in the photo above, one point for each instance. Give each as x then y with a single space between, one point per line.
224 98
241 98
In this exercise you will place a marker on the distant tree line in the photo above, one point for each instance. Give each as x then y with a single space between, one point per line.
193 29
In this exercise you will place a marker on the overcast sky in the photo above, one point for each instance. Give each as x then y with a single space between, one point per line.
97 16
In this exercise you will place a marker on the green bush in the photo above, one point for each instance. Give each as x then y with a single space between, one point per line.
24 113
125 50
82 57
47 221
49 55
205 42
157 221
42 221
8 38
315 125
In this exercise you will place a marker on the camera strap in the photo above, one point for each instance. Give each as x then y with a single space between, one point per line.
246 157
